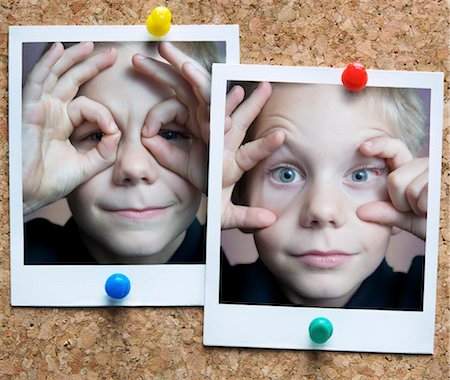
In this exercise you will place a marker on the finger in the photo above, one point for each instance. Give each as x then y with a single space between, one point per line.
250 154
83 108
190 165
402 185
247 218
169 110
101 157
245 114
234 97
72 56
200 80
190 69
386 214
69 83
177 58
422 202
393 150
165 75
417 194
40 72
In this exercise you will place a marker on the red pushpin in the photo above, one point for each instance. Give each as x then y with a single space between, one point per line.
354 77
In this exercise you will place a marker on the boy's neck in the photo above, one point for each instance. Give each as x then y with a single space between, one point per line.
104 256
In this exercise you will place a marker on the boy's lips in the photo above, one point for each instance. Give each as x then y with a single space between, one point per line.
140 214
324 260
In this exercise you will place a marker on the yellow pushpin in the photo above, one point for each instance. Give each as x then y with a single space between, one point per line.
158 23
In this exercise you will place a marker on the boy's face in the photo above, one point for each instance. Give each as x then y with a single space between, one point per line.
318 248
136 208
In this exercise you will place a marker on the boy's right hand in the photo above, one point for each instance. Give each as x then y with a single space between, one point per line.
51 166
239 158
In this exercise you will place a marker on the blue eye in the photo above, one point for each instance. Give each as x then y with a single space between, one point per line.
366 175
360 175
286 175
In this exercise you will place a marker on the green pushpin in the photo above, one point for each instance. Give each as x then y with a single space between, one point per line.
320 330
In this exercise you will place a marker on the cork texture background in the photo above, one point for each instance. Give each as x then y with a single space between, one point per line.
166 343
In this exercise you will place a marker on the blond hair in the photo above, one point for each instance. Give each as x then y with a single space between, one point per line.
404 110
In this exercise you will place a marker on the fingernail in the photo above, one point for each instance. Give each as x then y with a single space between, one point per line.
54 46
368 144
112 127
168 44
141 57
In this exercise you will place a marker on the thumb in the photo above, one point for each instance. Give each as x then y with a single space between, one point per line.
386 214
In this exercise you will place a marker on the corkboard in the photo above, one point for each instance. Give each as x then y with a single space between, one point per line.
167 342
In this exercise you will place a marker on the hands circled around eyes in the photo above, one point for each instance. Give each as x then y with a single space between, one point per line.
407 186
190 107
51 166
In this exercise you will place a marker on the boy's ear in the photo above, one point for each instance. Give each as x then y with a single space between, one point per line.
395 231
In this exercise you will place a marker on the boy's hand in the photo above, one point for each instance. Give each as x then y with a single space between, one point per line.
407 185
189 107
51 166
238 158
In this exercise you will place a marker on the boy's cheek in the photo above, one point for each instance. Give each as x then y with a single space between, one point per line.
373 193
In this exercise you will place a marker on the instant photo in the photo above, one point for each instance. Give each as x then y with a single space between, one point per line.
330 209
102 120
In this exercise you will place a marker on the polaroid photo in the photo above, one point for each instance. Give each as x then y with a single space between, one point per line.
101 122
337 195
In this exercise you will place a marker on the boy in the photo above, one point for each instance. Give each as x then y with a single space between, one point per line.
329 174
91 118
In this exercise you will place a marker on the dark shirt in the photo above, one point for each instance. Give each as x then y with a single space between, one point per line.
384 289
47 243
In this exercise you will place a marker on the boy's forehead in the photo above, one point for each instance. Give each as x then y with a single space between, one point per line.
327 108
120 87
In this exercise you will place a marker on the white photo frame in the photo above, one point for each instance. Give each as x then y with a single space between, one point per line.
84 285
286 327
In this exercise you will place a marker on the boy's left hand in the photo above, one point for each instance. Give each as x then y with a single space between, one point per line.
189 107
407 185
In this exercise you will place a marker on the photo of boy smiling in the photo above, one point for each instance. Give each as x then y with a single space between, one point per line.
325 178
95 119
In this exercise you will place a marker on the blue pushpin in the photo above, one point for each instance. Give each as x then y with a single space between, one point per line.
320 330
117 286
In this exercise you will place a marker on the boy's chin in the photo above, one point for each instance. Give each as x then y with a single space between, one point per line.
322 296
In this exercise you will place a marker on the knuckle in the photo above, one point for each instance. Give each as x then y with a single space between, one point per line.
412 192
394 182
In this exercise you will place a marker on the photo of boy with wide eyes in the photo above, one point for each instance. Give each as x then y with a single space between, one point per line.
120 129
322 177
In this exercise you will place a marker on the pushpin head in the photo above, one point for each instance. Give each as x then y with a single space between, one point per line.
354 77
117 286
158 23
320 330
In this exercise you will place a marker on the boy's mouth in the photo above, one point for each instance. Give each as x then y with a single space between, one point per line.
140 214
324 260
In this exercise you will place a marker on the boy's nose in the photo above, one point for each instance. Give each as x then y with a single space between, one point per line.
134 165
323 206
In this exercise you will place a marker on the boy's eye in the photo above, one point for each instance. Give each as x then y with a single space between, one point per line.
286 174
172 136
364 175
361 175
95 137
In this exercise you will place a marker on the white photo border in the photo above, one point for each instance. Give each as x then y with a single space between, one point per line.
83 285
285 327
